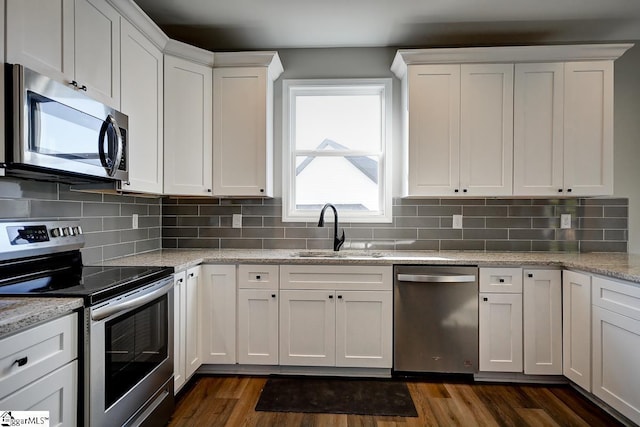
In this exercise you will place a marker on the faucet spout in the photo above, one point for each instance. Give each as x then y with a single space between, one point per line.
337 241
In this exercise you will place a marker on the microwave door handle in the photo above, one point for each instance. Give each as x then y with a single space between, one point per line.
111 165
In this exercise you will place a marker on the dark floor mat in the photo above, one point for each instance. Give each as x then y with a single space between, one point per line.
337 396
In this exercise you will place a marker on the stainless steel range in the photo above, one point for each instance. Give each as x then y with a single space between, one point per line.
127 338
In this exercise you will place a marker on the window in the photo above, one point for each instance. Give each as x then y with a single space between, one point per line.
336 138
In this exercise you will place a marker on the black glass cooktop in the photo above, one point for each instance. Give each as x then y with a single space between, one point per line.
93 283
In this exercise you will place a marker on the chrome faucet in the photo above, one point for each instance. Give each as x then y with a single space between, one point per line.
337 241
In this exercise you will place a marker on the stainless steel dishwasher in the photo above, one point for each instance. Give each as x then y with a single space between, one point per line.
435 319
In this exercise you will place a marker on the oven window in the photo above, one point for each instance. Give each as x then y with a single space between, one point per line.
136 343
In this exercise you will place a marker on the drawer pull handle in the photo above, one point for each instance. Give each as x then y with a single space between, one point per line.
501 280
330 296
339 296
191 274
21 362
273 295
257 277
530 274
485 299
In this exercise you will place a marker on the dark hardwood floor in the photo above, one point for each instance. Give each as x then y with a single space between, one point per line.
230 401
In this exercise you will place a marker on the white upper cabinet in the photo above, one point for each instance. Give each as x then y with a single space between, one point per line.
460 130
486 129
588 129
243 123
142 101
433 130
76 42
546 132
563 141
187 127
538 129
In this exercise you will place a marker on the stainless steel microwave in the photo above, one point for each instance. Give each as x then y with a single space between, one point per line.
55 131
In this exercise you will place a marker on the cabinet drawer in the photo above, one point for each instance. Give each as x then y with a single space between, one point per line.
616 296
336 277
43 349
258 276
503 280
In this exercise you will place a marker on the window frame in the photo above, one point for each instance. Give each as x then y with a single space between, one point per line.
295 87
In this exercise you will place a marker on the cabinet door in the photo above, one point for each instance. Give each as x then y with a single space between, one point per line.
486 129
500 332
97 50
588 128
192 321
242 132
433 151
40 36
179 330
187 130
616 345
56 392
576 328
307 328
542 322
258 326
364 328
218 314
538 130
142 100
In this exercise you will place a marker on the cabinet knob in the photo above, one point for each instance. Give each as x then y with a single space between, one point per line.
83 87
530 275
258 277
208 190
20 362
330 296
339 296
273 295
74 83
559 190
456 190
191 274
262 190
485 299
464 191
568 190
179 280
501 280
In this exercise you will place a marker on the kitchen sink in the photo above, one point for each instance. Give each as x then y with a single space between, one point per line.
333 254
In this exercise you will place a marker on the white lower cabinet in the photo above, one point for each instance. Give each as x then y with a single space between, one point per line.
542 322
500 332
218 314
336 316
39 370
616 345
576 328
307 327
258 314
186 315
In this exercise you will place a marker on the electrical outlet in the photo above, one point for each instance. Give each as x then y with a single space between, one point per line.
565 221
134 221
457 221
236 222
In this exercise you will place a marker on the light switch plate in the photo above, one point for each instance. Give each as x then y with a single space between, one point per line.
565 221
236 222
457 221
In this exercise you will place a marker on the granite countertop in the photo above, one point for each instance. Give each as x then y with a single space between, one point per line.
17 313
617 265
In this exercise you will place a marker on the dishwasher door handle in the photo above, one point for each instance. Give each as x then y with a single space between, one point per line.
437 278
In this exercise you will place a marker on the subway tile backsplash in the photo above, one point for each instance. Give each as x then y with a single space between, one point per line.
598 225
105 219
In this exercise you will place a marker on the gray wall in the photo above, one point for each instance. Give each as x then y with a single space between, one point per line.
105 219
627 138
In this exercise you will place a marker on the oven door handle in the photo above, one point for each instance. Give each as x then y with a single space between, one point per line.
117 307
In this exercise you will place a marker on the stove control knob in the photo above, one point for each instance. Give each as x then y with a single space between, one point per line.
55 232
65 231
76 231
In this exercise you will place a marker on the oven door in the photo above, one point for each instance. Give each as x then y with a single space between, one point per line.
130 356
